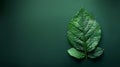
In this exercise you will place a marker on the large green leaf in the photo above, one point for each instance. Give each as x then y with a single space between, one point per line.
84 32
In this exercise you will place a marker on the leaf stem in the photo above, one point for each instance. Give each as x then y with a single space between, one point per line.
86 55
85 50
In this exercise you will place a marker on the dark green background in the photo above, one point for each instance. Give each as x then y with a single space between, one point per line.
33 32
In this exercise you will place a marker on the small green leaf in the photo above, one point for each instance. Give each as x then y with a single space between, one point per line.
75 53
96 53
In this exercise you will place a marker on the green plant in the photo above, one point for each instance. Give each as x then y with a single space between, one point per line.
84 34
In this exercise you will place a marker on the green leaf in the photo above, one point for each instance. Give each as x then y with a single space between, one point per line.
84 32
75 53
96 53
